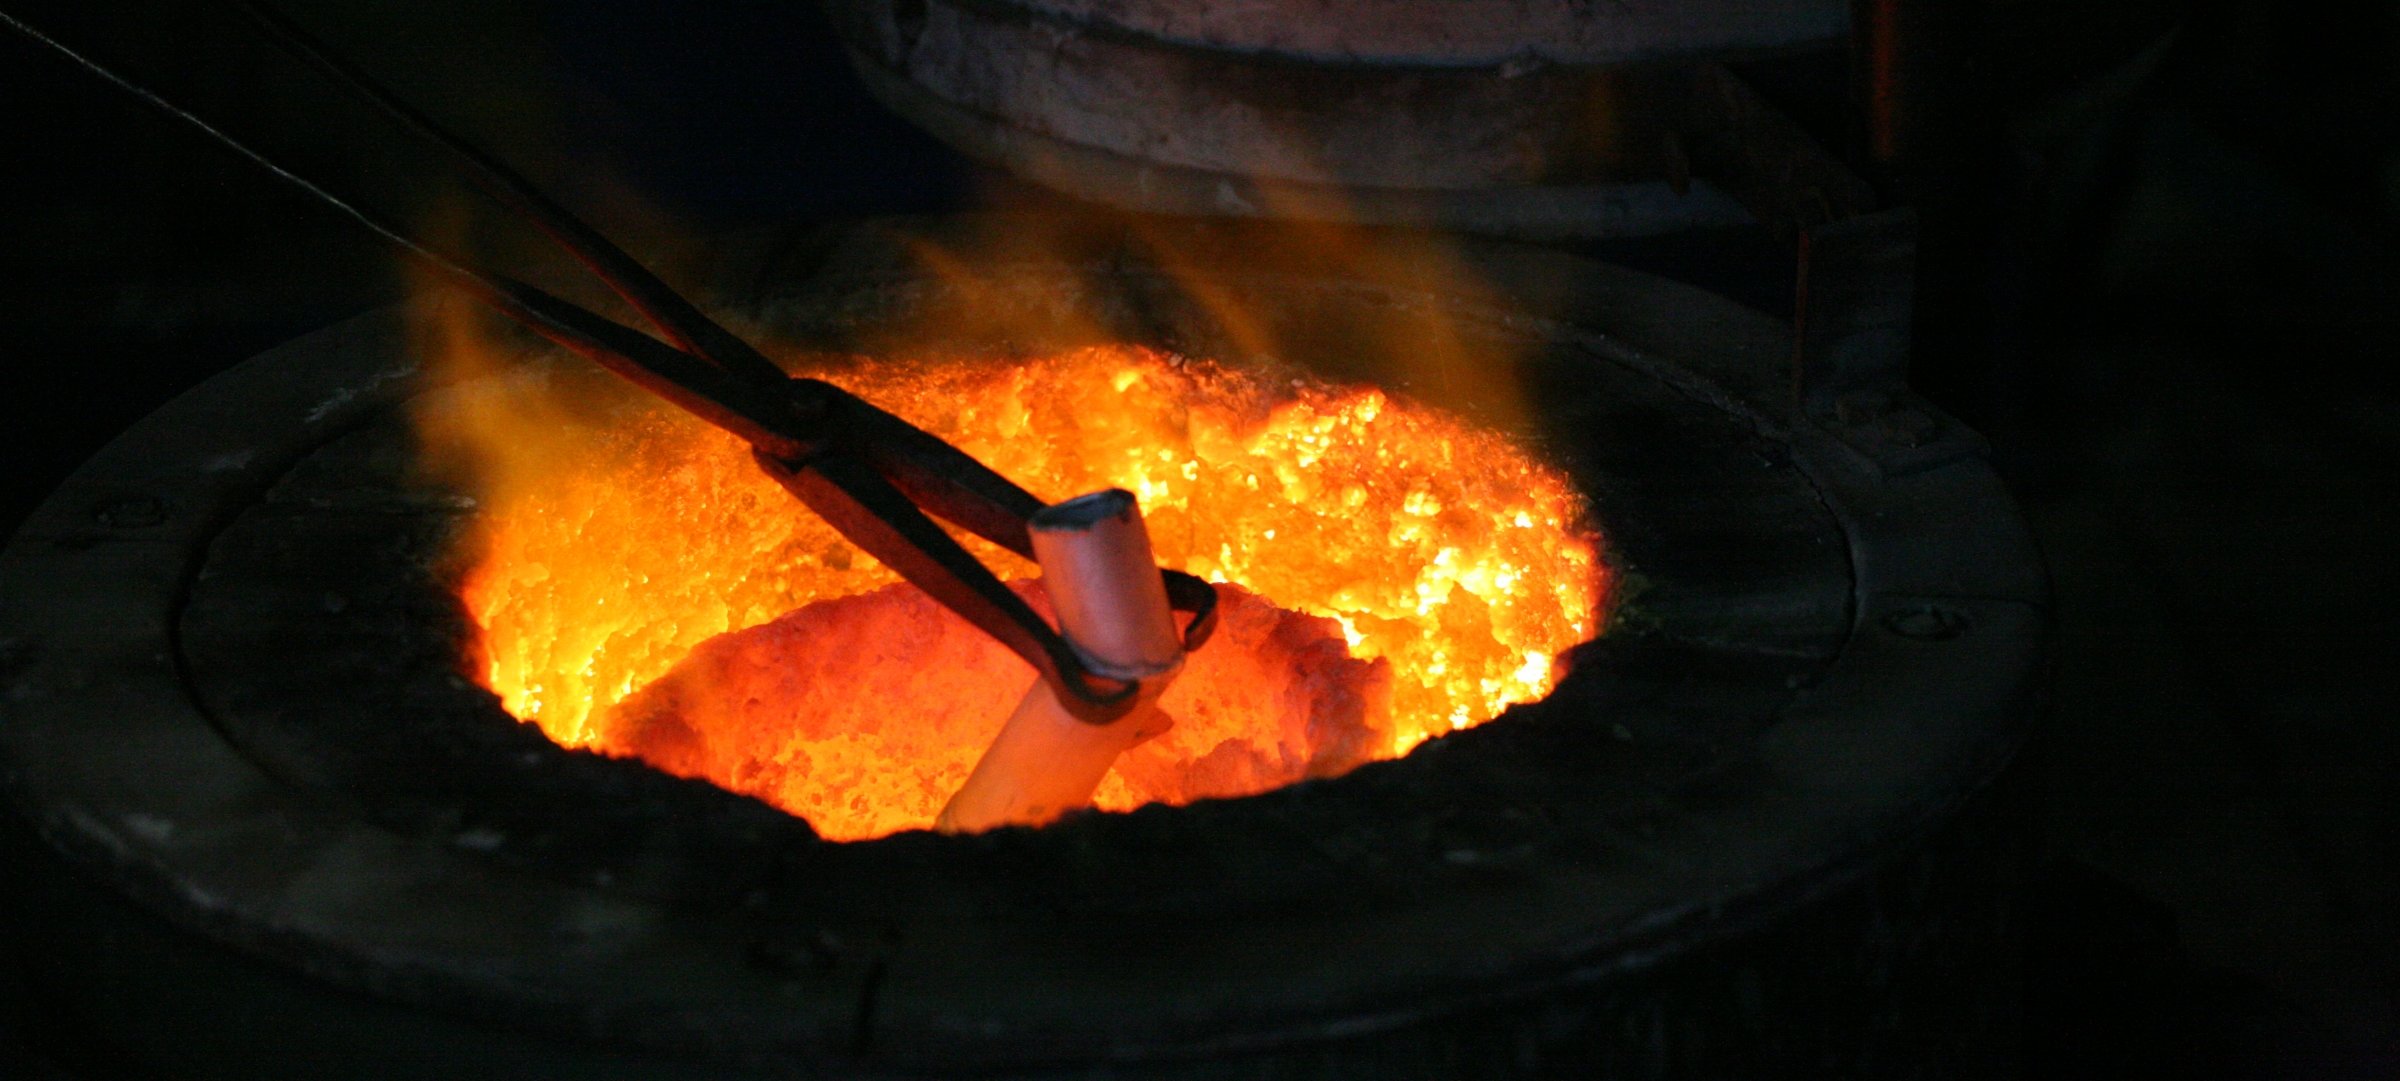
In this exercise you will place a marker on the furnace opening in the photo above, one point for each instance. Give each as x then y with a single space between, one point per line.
642 589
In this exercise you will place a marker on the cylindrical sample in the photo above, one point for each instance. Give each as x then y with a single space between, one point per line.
1044 763
1112 607
1104 582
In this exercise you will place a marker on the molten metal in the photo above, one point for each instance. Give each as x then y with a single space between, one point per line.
1381 539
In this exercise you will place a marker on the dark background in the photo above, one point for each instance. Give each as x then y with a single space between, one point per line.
2172 300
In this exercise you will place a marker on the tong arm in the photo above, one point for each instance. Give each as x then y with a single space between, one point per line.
874 477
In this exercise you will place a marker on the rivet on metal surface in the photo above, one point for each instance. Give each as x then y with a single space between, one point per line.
1928 622
138 513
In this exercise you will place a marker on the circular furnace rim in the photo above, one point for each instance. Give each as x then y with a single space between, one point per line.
112 825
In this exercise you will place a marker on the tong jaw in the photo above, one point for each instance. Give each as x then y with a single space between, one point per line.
875 477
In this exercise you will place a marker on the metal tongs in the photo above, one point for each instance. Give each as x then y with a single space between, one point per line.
873 476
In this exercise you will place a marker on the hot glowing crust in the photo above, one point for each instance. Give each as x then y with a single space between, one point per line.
606 554
798 712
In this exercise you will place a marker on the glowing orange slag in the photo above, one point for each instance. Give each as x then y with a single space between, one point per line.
1394 529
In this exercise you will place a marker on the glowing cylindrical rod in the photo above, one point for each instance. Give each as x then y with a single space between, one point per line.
1112 607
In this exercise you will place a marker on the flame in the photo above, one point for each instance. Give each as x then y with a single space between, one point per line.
1425 569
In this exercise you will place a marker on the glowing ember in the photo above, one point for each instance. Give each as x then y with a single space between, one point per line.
608 553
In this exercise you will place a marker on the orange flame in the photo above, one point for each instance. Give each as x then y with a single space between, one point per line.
617 538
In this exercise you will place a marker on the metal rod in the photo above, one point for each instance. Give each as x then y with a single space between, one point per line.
1112 607
1103 578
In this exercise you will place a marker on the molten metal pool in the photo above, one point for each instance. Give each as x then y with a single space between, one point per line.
642 589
